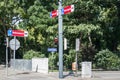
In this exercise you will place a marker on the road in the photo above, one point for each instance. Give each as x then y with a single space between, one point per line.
27 75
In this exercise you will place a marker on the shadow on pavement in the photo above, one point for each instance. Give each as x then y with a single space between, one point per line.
71 73
23 73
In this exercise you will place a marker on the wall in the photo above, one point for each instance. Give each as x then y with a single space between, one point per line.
21 64
40 65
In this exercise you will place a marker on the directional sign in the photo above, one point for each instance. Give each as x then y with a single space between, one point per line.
52 49
54 13
18 33
65 10
68 9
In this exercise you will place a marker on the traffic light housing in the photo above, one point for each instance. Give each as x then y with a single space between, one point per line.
6 42
56 42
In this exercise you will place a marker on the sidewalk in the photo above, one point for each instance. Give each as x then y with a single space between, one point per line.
26 75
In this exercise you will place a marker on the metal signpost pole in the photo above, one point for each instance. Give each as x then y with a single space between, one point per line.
14 50
52 61
76 63
6 56
60 32
77 50
59 13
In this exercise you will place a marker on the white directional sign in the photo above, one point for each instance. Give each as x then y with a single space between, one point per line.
14 44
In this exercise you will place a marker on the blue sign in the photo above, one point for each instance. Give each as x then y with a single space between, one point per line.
52 49
50 14
9 32
62 11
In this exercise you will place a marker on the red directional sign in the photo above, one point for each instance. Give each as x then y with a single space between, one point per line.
65 10
19 33
54 13
68 9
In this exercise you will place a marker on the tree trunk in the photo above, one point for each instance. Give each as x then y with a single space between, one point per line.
90 40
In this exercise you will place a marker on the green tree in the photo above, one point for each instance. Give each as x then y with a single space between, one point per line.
7 12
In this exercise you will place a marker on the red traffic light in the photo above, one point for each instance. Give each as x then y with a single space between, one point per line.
56 40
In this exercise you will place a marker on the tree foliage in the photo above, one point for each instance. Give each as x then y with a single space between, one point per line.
95 22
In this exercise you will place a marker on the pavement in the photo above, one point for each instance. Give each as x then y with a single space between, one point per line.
28 75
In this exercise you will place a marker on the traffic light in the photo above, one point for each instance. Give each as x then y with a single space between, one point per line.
6 42
56 41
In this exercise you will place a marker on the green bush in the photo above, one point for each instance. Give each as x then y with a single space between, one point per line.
107 60
70 58
53 59
31 54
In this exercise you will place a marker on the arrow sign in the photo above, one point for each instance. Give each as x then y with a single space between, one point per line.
54 13
18 33
68 9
